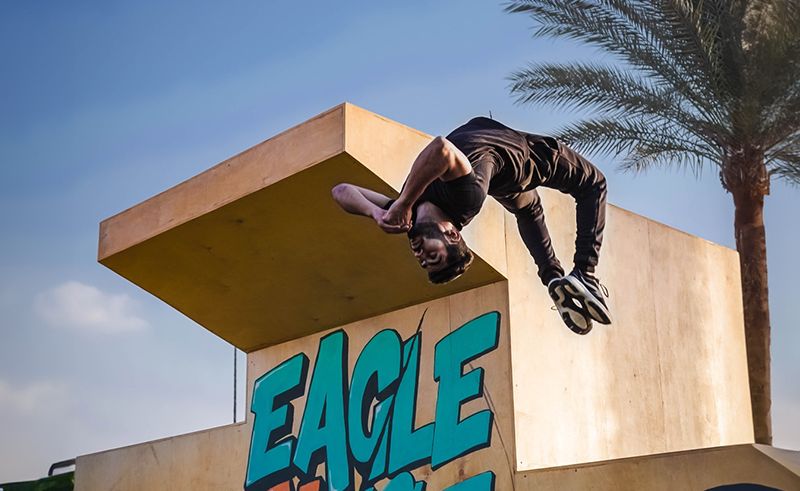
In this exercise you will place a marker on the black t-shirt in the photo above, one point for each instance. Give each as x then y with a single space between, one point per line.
521 161
460 199
505 162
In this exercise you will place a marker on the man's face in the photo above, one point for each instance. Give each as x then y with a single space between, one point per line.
428 243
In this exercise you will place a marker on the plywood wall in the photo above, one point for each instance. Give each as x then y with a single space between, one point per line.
669 374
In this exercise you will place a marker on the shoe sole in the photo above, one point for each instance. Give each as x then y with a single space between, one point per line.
562 300
578 292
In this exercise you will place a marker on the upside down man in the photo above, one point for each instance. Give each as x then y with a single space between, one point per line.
448 184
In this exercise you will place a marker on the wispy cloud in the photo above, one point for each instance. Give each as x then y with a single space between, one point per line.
34 417
85 307
32 397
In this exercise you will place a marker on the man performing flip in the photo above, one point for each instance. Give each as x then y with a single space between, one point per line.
448 184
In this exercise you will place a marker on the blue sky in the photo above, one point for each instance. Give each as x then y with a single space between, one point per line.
104 104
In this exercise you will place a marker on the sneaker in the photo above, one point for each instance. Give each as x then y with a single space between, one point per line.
574 317
588 293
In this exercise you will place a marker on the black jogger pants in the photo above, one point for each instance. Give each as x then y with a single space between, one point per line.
571 174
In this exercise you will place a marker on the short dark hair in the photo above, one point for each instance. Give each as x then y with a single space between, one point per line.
459 257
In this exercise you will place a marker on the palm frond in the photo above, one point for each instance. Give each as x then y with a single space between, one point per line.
774 74
788 171
609 90
781 119
639 32
700 81
783 161
646 142
646 157
692 31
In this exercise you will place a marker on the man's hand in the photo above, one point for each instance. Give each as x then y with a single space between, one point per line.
396 220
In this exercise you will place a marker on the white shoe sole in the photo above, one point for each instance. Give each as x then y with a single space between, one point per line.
580 294
577 320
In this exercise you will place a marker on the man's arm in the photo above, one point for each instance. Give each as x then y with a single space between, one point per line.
361 201
440 159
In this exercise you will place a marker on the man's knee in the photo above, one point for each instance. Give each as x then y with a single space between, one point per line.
340 189
600 183
594 187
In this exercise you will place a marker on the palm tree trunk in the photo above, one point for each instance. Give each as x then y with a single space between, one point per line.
752 246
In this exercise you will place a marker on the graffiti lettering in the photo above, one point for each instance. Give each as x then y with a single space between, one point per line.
368 425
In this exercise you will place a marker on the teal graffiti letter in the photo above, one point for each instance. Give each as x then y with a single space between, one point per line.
322 435
409 448
453 437
374 376
270 452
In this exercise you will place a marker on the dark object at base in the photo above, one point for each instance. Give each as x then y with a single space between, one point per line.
743 487
61 482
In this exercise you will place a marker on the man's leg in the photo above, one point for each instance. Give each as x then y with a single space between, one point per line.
527 208
576 176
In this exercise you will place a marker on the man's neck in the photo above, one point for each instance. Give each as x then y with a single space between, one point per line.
428 212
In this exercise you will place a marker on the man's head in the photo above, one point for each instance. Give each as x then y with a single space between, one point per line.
440 250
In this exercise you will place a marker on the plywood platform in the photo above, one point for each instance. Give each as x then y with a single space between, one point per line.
256 250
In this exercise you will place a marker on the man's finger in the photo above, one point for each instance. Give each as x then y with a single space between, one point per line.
393 229
392 219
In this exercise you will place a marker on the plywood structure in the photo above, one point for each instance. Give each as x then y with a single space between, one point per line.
256 251
256 242
213 459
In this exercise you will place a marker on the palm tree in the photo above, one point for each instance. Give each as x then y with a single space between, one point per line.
700 83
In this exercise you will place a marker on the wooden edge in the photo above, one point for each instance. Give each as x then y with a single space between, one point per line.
790 459
214 429
636 458
652 221
255 168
